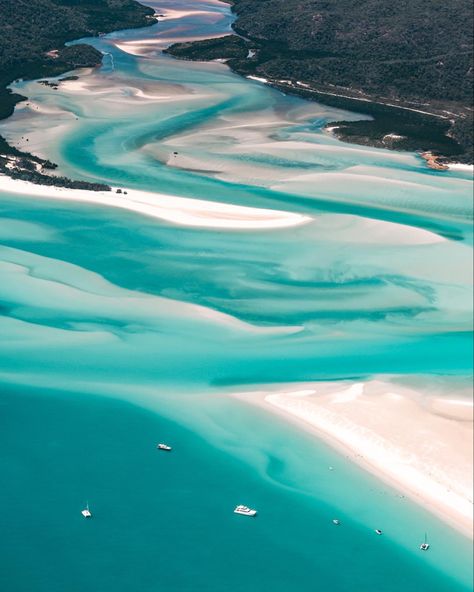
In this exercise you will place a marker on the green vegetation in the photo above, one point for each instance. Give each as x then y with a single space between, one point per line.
229 47
412 53
32 37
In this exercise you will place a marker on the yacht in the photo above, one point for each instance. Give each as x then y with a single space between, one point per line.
378 531
86 512
336 521
245 511
164 447
425 546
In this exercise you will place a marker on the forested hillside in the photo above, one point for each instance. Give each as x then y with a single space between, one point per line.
409 48
414 53
32 37
29 29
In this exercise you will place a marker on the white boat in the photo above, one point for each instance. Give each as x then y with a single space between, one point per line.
164 447
86 512
378 531
245 511
425 546
336 521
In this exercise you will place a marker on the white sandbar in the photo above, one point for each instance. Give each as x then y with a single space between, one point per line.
178 210
458 166
420 444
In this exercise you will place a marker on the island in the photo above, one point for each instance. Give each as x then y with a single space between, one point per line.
406 64
32 38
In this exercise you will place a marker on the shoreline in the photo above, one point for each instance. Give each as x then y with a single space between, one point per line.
58 60
438 162
376 452
408 125
209 214
170 208
200 213
459 166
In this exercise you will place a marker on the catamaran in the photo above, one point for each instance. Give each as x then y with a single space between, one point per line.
164 447
245 511
86 512
425 546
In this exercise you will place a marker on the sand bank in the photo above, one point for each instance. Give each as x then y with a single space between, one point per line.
458 166
420 443
258 79
177 210
176 14
144 47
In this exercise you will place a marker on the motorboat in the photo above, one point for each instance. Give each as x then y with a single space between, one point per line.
245 511
86 512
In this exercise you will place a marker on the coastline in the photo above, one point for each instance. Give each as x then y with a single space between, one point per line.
170 208
359 420
191 212
386 122
459 166
121 331
343 130
56 61
201 213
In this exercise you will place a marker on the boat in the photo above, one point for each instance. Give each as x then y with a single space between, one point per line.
164 447
425 546
378 531
86 512
245 511
336 521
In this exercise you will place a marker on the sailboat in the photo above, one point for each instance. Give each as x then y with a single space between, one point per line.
86 512
425 546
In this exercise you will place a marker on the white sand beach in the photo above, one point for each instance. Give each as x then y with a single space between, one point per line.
258 79
209 214
417 438
144 47
458 166
177 210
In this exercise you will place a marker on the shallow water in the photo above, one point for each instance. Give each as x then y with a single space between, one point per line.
120 330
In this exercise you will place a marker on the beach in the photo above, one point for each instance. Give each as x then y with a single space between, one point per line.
290 313
419 442
177 210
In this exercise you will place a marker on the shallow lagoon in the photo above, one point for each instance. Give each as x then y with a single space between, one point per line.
101 302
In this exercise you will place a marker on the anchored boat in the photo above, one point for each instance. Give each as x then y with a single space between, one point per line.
245 511
425 546
86 512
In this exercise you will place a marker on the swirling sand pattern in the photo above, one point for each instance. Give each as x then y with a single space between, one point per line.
169 315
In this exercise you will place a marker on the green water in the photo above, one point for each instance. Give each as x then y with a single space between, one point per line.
119 331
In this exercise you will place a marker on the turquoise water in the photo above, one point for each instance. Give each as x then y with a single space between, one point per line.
120 331
162 522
